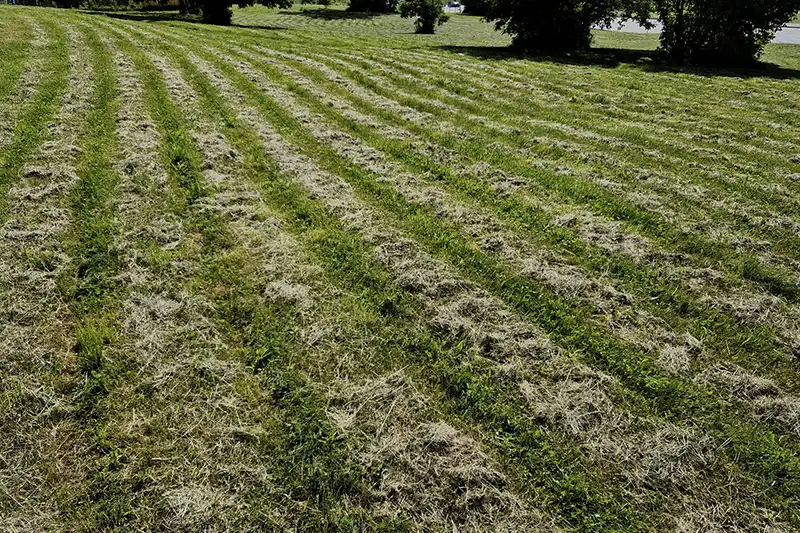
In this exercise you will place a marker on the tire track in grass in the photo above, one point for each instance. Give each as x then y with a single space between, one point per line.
672 354
38 433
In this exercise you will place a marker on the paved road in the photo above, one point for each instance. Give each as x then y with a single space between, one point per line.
787 35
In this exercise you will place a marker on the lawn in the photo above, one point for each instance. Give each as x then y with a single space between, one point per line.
313 272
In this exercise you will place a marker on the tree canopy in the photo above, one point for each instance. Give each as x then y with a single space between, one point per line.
557 25
720 32
219 11
429 14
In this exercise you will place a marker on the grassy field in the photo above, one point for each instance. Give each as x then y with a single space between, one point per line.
316 273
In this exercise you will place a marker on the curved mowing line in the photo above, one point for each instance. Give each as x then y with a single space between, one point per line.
31 130
326 244
670 98
645 138
635 159
624 104
679 398
786 241
759 348
777 280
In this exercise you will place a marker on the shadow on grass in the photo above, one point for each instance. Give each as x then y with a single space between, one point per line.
170 16
334 14
646 60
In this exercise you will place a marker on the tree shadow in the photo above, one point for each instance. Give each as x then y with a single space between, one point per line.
646 60
171 16
334 14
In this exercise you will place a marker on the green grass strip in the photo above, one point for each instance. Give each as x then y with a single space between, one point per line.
95 294
31 130
14 47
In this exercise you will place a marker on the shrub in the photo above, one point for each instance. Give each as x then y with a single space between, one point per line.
720 32
429 14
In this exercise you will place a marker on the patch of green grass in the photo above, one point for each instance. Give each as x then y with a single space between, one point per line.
31 130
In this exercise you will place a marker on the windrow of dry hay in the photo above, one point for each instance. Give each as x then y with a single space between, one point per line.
258 280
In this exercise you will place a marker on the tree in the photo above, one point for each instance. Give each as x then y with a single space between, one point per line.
219 11
373 6
429 14
720 32
477 7
559 25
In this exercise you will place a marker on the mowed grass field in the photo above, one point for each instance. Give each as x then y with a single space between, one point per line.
316 273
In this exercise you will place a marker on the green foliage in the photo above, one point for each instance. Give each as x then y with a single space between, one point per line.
429 14
558 25
721 32
219 11
477 7
373 6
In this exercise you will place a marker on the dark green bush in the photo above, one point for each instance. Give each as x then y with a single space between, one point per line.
720 32
557 26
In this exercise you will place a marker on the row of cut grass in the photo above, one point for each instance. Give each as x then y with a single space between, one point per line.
345 259
758 347
420 222
31 130
310 459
